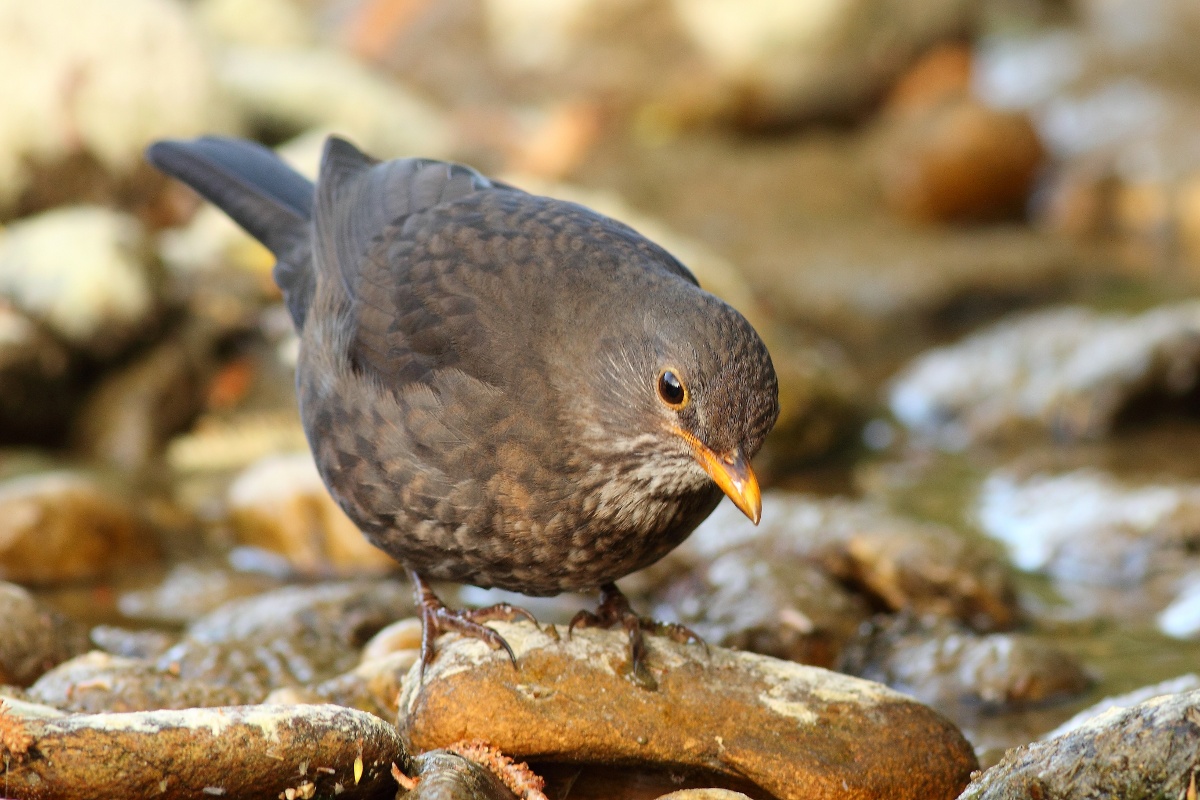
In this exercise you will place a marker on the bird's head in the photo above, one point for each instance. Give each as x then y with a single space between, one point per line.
695 392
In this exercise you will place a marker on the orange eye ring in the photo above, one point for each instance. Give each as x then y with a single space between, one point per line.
671 390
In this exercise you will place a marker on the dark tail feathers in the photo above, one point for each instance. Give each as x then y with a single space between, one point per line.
259 192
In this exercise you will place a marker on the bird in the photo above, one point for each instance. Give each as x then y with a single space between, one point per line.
498 388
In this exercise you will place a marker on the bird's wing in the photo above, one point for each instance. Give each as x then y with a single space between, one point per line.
403 324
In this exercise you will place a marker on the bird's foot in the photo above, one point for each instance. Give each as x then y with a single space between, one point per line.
436 619
614 610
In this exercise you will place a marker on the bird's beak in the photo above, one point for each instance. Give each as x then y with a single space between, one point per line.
732 473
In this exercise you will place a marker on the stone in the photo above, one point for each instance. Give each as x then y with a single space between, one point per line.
1181 619
295 636
33 638
189 591
1087 527
704 794
958 161
281 505
35 377
1066 371
235 751
112 111
801 732
1183 683
898 562
63 526
751 599
132 412
443 775
97 683
82 271
952 668
1149 750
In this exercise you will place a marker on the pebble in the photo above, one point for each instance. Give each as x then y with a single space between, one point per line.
1149 750
235 751
1066 371
83 272
33 638
63 526
955 669
802 732
294 636
280 504
902 563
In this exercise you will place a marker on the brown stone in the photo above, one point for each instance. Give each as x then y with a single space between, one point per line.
62 526
33 638
235 751
791 730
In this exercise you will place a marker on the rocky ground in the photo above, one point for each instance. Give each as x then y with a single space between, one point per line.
969 233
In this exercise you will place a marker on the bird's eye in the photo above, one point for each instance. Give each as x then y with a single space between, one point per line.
671 390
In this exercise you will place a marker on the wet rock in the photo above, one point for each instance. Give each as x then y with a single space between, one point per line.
78 86
897 563
190 591
870 281
802 731
1184 683
947 666
1181 619
33 639
98 682
1087 527
34 380
325 89
281 505
83 272
131 414
1149 750
442 775
63 526
372 686
1067 371
747 599
958 161
295 636
130 643
235 751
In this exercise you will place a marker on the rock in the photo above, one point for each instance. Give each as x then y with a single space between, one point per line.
1086 527
873 281
1067 371
897 562
35 396
1181 619
188 592
1184 683
943 73
751 599
958 161
227 443
1149 750
269 23
132 412
373 686
77 84
33 639
281 505
148 644
83 272
295 636
950 668
325 89
443 775
98 682
235 751
62 526
704 794
801 732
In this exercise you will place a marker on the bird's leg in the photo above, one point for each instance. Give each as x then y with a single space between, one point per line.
614 610
436 618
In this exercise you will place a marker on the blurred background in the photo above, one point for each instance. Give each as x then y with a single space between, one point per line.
969 231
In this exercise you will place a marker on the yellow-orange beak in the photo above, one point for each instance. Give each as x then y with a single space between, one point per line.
732 473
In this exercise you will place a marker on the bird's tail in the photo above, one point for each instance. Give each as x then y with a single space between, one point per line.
259 192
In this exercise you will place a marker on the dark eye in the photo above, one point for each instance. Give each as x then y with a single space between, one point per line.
672 390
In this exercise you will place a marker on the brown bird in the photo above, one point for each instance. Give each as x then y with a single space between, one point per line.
499 388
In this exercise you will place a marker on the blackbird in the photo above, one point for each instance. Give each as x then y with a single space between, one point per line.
498 388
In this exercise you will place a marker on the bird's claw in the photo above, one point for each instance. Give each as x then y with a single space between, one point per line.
614 610
436 619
